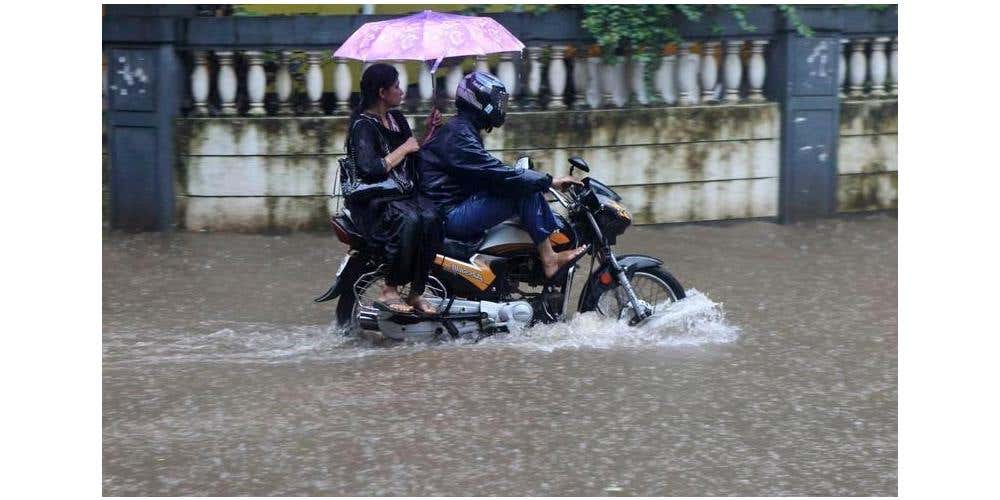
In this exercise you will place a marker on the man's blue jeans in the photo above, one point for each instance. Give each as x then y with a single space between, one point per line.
481 211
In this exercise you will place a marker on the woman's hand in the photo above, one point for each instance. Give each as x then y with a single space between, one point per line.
410 146
434 120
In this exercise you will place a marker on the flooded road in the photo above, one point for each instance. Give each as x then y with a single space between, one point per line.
777 377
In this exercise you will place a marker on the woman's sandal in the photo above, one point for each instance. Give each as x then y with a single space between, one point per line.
394 306
424 312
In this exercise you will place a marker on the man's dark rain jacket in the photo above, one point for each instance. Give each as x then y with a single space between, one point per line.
454 165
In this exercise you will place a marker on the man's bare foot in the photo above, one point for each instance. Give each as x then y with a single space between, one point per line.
390 297
420 305
561 258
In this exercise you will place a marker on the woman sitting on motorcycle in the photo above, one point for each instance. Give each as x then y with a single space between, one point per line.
404 223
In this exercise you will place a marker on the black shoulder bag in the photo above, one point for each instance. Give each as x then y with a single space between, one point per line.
355 189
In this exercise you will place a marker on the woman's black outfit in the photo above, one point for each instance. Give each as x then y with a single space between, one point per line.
406 226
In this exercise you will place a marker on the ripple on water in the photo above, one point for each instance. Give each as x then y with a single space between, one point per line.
696 320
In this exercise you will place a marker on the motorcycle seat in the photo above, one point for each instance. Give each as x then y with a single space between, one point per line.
458 249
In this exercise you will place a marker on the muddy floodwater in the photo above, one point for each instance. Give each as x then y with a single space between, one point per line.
778 376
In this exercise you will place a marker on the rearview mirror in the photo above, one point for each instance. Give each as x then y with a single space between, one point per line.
525 162
579 163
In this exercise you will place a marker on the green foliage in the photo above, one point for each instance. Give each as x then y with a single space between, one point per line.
644 29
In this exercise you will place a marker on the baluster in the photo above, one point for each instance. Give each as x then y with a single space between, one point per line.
256 82
685 75
732 71
507 73
534 76
227 82
638 80
594 77
452 80
283 83
483 64
665 79
893 67
404 79
579 78
858 67
758 70
426 86
557 77
607 85
200 83
709 71
342 83
621 87
842 74
878 66
314 82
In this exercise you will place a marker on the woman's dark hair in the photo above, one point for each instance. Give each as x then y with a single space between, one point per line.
378 76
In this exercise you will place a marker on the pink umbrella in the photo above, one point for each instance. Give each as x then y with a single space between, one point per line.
428 36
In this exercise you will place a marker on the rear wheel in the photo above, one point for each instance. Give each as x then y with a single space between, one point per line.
356 307
654 286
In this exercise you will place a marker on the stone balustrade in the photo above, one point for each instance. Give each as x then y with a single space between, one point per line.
553 77
868 67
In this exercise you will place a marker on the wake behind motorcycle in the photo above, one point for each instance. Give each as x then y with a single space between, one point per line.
497 283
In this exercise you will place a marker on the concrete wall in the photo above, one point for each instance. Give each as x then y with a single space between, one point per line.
669 164
867 156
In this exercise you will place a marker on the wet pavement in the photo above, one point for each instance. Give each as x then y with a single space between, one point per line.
777 377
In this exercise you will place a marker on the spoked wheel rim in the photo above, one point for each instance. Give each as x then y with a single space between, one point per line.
649 288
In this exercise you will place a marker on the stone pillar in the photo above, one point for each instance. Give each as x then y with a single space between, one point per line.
842 72
638 81
732 71
594 78
227 82
507 73
342 84
666 78
758 70
579 78
893 68
685 75
879 66
709 71
256 82
858 67
534 76
283 84
200 83
557 77
426 85
314 82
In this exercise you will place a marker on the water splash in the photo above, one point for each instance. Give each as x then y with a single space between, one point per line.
696 320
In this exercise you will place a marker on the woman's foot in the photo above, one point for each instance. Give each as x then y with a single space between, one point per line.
560 259
420 305
392 301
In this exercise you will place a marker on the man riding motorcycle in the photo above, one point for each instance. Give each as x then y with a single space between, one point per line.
474 190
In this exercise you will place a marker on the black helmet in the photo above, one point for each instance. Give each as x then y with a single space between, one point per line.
484 95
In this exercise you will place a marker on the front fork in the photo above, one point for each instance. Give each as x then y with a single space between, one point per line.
641 310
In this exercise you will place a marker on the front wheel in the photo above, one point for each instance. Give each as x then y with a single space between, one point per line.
654 286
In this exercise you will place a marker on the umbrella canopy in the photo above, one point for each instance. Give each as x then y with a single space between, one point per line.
428 36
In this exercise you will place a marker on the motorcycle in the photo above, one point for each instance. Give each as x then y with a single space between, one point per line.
493 285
